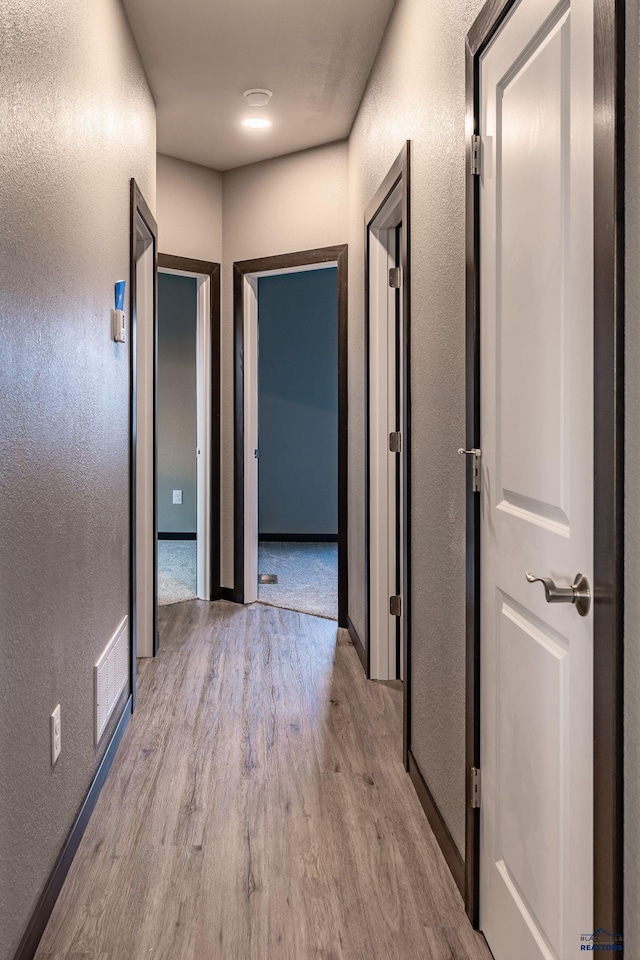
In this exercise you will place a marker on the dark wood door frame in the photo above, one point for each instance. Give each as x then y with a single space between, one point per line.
400 172
211 270
139 211
339 254
609 17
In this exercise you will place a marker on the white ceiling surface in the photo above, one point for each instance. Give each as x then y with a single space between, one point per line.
200 55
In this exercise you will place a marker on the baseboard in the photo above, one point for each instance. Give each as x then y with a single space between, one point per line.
42 912
357 642
437 824
298 537
177 536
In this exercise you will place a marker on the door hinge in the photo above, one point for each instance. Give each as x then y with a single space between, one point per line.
395 442
476 474
475 787
476 155
395 277
395 606
256 454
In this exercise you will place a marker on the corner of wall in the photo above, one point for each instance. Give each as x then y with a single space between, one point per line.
189 209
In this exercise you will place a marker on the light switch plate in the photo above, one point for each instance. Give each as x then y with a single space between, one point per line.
119 326
177 496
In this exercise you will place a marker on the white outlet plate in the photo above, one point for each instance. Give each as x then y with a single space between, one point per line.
56 735
177 496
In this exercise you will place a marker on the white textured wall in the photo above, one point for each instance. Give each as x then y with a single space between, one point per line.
76 122
279 206
416 91
189 210
632 481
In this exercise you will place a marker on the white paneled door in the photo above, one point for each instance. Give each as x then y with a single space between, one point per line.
536 255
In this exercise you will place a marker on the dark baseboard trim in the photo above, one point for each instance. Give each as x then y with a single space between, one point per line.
298 537
437 824
177 536
42 912
357 642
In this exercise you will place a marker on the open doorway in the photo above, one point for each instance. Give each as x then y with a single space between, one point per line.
298 440
188 430
177 438
291 432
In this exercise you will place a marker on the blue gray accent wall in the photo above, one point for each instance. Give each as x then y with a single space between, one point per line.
177 437
298 402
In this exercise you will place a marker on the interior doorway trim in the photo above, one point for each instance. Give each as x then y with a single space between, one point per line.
394 189
140 214
245 273
209 393
608 590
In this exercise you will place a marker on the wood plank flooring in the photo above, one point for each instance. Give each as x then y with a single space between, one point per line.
258 809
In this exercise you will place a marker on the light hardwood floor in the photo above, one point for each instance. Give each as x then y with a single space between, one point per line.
258 809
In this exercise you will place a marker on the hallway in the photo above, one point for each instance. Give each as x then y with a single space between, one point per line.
250 813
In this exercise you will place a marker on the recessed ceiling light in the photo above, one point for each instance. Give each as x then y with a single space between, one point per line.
256 123
257 97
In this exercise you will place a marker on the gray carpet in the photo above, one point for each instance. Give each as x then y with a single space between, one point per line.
307 577
176 571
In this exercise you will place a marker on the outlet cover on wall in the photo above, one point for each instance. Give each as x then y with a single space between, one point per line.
177 496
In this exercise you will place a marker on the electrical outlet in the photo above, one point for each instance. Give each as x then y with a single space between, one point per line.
56 735
177 496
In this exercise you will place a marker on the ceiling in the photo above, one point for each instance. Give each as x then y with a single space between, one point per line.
200 55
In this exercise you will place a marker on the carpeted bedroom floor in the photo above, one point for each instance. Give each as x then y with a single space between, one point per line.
307 575
176 571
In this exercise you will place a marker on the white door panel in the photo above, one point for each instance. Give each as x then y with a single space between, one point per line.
250 367
536 254
145 530
393 587
386 385
204 389
531 250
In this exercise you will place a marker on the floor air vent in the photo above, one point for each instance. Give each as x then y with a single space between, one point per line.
111 674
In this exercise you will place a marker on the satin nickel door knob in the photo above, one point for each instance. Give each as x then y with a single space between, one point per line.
579 593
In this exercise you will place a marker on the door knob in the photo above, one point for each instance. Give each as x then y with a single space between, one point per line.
579 593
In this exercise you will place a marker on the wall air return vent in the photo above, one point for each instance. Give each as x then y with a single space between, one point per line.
111 674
